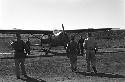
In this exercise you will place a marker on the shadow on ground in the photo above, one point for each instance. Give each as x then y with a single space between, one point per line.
102 75
30 79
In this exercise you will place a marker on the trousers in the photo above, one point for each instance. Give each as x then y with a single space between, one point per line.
90 59
73 60
19 63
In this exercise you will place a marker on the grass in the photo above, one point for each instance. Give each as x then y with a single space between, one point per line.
58 66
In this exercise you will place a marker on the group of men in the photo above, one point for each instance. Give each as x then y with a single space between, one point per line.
87 47
73 49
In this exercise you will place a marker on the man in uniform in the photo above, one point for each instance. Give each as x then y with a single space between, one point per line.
90 45
80 43
19 55
72 51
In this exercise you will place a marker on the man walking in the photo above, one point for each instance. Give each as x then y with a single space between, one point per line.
72 50
90 45
80 43
19 46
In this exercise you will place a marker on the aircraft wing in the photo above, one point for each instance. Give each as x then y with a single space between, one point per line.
26 31
46 32
87 30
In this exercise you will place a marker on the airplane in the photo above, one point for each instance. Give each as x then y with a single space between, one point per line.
53 38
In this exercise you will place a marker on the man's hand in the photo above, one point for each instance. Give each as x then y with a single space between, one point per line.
28 53
11 42
96 50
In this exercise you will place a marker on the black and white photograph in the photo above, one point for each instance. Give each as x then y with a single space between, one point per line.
62 40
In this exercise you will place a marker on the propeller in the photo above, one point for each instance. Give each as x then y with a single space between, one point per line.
63 28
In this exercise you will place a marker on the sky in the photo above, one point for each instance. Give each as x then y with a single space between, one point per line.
51 14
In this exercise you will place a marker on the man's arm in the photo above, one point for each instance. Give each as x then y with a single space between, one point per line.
85 44
13 44
78 42
26 48
68 50
78 49
96 47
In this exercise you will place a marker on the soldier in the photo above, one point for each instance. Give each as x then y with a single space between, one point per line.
90 45
80 43
72 50
19 55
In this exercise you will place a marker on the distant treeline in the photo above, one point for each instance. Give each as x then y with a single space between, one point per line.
113 34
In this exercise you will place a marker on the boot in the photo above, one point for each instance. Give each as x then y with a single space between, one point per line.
74 69
26 76
94 68
18 77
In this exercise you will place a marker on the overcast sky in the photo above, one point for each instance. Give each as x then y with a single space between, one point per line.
50 14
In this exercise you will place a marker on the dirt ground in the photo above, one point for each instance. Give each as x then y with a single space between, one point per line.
110 66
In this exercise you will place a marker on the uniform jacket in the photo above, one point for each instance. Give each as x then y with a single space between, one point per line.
90 44
72 49
19 47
